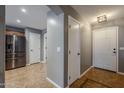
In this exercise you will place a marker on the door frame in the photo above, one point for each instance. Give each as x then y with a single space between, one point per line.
71 18
30 46
44 48
117 43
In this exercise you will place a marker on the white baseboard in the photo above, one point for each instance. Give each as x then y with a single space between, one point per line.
86 71
28 64
32 63
83 74
56 85
121 73
43 61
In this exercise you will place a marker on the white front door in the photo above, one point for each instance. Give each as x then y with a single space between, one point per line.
74 50
105 48
34 47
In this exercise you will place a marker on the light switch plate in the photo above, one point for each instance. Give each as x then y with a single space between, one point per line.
121 48
58 49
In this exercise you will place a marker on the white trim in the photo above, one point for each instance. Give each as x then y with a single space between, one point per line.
83 73
70 17
116 45
28 64
43 62
29 46
56 85
86 71
117 64
121 73
45 47
32 63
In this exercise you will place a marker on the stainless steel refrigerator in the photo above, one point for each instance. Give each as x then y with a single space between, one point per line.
15 51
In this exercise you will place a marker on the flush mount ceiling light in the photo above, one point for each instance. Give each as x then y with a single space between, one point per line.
52 21
102 18
18 21
23 10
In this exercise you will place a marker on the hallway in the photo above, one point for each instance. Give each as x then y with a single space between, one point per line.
99 78
32 76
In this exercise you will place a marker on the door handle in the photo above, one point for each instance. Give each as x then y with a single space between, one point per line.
78 54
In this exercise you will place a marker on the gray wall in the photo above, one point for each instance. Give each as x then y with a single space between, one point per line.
120 23
67 11
2 45
55 39
85 32
27 31
85 38
86 46
121 52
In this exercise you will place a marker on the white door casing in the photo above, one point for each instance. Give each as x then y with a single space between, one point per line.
105 48
34 47
45 47
73 50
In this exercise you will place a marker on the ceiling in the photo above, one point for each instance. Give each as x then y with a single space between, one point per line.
91 12
34 16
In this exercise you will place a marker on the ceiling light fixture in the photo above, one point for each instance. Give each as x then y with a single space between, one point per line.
102 18
52 21
18 21
23 10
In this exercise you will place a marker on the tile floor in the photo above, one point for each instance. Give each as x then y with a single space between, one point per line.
99 78
32 76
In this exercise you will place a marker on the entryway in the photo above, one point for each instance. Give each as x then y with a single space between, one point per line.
73 50
105 49
99 78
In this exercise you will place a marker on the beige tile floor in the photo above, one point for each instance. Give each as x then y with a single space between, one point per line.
32 76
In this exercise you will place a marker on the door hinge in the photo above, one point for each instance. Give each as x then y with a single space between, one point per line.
69 52
69 26
69 77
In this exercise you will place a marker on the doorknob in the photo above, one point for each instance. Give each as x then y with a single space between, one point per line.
78 54
114 50
31 50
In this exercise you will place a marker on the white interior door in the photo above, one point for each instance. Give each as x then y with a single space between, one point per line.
74 51
34 47
105 48
45 47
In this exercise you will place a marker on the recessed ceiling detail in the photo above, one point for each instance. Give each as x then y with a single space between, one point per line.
23 10
18 21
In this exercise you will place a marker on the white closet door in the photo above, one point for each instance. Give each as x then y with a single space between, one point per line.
74 50
34 47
